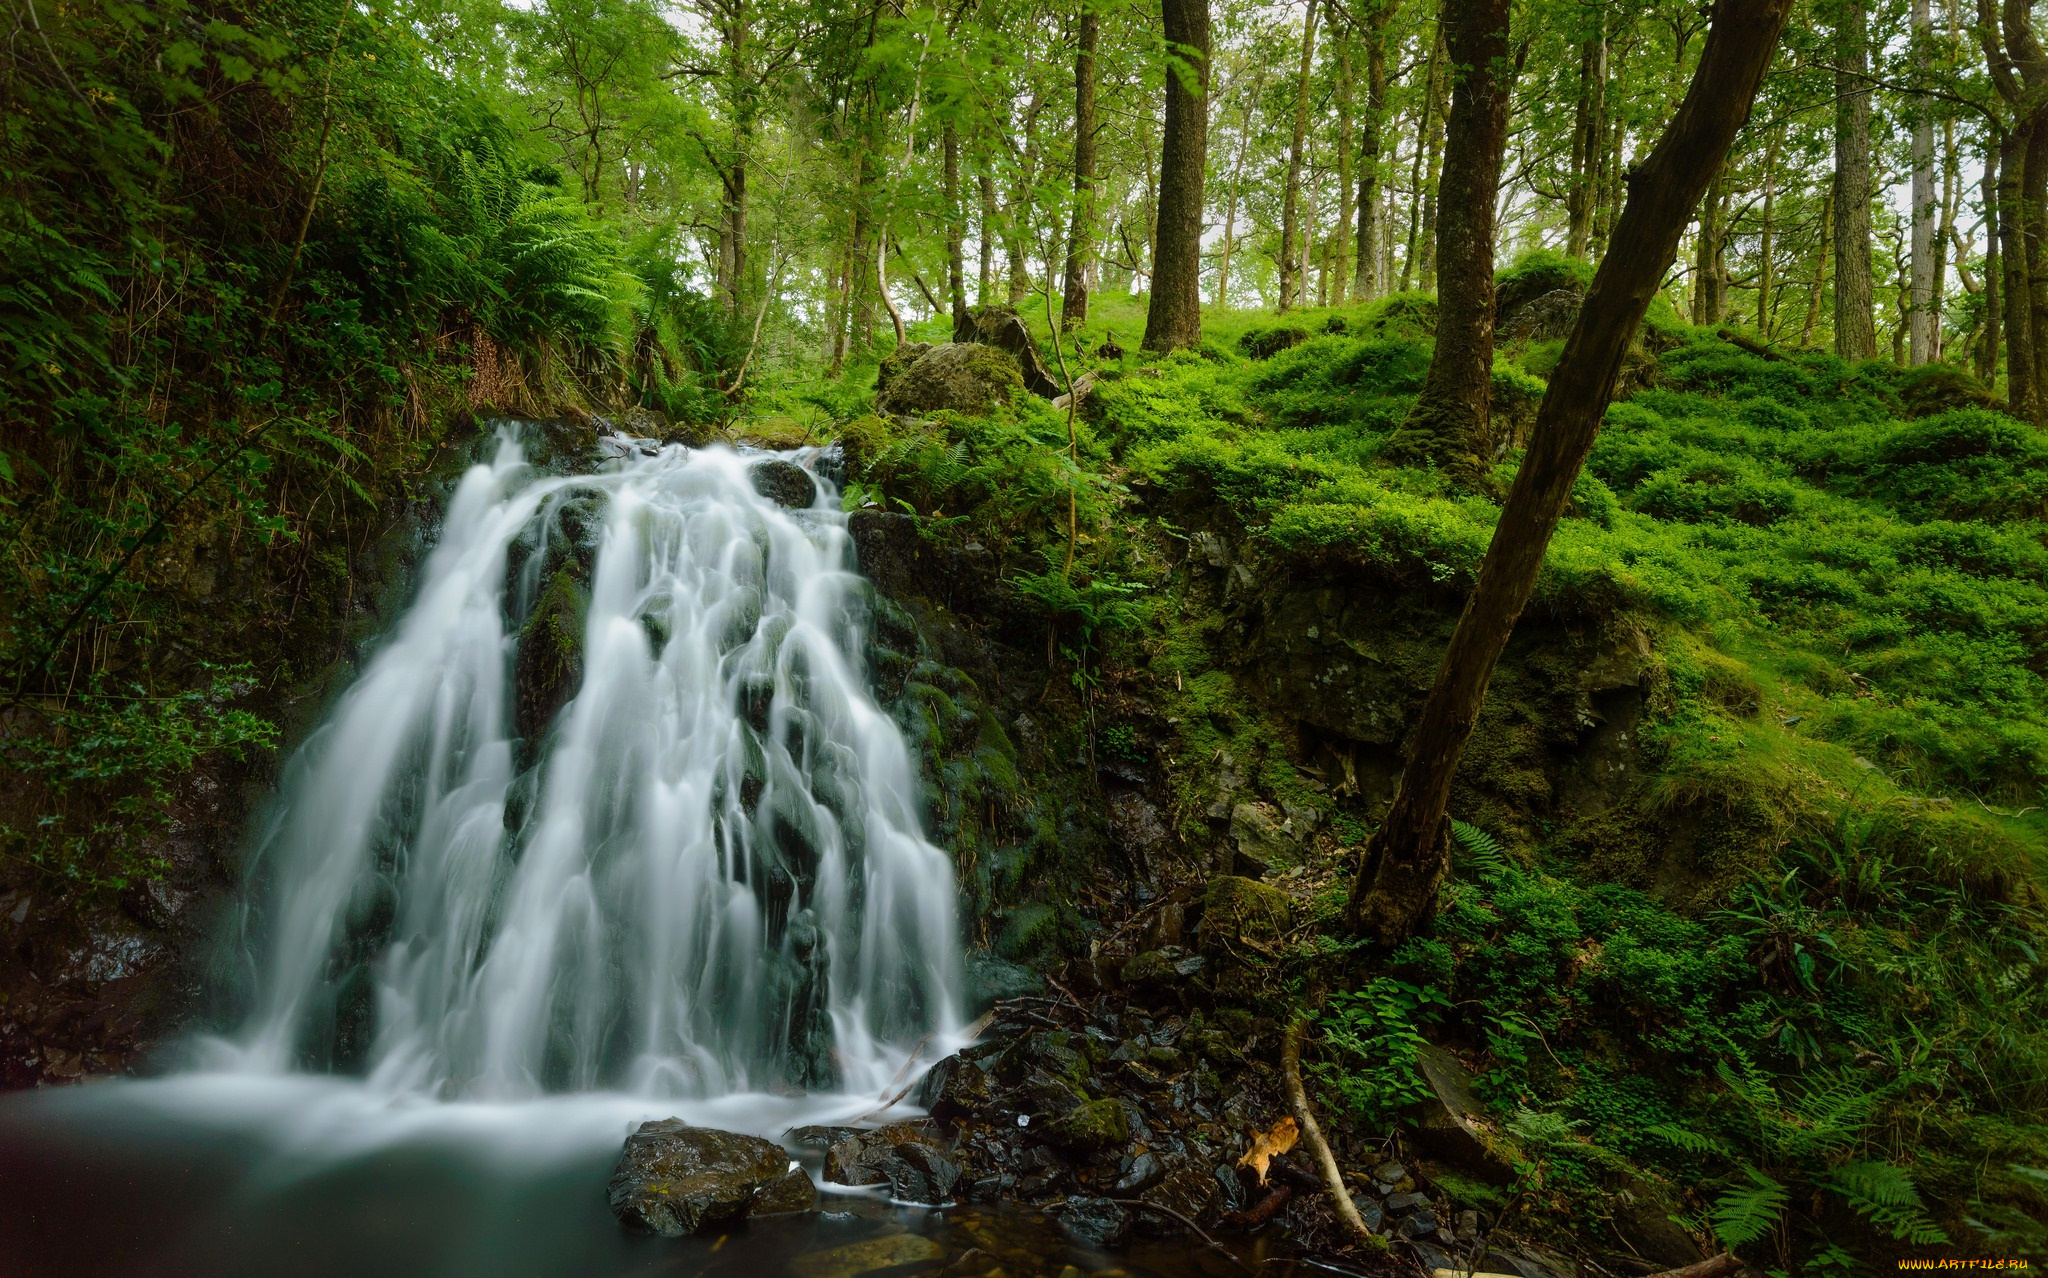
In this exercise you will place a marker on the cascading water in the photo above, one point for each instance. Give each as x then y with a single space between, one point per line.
609 828
706 876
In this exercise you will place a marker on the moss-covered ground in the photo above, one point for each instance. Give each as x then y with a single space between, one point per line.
1790 971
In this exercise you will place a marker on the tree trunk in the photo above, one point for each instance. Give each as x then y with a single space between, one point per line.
1403 864
1438 89
1987 342
1920 318
1244 138
1416 180
1448 426
1293 281
956 217
1173 317
1337 249
1367 281
1855 324
1820 269
1706 271
2012 252
1081 235
984 291
1766 266
1588 130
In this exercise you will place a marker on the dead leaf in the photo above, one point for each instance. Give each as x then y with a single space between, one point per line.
1268 1145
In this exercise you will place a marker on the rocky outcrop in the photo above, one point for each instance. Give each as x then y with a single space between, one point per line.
674 1179
910 1158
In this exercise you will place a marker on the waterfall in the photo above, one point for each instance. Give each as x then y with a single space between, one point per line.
703 873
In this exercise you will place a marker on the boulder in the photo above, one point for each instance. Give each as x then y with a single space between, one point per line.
1268 838
785 483
1547 317
907 1157
961 377
1000 327
1091 1127
794 1192
894 365
1239 912
1454 1124
674 1179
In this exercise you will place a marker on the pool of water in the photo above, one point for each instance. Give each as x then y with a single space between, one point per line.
228 1176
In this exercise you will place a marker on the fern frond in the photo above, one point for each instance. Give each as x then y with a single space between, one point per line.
1685 1138
1485 852
1748 1212
1886 1196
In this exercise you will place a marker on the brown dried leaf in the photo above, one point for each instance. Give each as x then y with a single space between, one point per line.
1268 1145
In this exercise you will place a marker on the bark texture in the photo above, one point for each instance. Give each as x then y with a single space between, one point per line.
1403 864
1448 427
1855 325
1173 317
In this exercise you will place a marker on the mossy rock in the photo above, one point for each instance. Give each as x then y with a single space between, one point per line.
1237 911
1269 340
550 661
1091 1127
960 377
1938 388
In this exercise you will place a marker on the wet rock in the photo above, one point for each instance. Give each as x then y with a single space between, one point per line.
1239 912
1419 1223
1389 1173
674 1179
955 1088
1191 1187
961 377
1140 1174
784 483
1432 1258
1095 1222
1402 1204
1369 1210
868 1256
907 1157
794 1192
991 979
1097 1125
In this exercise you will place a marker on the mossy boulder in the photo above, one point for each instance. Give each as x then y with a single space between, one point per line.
1269 340
1091 1127
1239 912
674 1179
960 377
783 482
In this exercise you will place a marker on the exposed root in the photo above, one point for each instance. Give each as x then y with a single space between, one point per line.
1312 1136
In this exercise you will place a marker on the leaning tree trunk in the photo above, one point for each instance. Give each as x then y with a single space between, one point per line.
1081 232
1447 427
1174 315
1855 294
1404 862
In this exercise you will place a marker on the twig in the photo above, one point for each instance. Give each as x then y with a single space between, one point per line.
1312 1135
1712 1267
1199 1232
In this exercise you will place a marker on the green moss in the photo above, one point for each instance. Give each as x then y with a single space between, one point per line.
1239 911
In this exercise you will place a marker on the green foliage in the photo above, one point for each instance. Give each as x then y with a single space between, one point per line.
106 770
1372 1035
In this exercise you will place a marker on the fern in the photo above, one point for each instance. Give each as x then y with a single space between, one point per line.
1746 1213
1485 852
1685 1138
1886 1196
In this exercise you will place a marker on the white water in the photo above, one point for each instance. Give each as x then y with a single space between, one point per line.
711 879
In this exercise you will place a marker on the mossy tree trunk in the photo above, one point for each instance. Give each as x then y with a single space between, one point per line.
1448 425
1174 316
1366 281
1403 864
956 265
